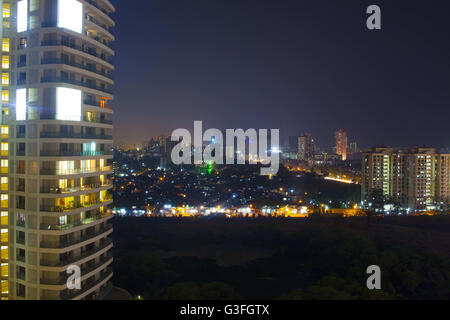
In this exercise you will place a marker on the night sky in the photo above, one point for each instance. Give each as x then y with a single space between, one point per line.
300 66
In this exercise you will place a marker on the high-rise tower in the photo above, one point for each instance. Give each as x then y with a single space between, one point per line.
56 142
341 143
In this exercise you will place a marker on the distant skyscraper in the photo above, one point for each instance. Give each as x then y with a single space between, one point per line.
56 140
341 143
418 179
305 147
353 148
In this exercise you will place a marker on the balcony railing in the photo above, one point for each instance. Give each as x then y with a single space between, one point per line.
93 3
91 186
83 49
63 279
64 227
67 295
56 172
75 153
84 255
68 243
77 65
74 205
65 135
76 82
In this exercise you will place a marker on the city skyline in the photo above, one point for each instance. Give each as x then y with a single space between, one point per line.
285 68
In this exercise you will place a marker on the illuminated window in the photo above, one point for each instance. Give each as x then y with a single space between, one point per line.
6 10
4 163
3 181
4 146
5 62
4 197
63 183
5 130
21 104
66 166
22 16
70 15
5 78
5 96
63 220
5 45
4 218
68 104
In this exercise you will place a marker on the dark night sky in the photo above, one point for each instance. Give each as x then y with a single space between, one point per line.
300 66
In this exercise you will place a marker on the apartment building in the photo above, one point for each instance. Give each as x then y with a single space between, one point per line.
417 179
56 140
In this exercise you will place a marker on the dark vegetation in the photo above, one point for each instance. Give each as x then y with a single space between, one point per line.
314 258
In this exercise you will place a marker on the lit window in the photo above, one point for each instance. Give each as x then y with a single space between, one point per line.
5 78
68 104
21 104
4 163
70 15
5 45
4 180
4 197
22 16
6 10
5 62
4 146
5 96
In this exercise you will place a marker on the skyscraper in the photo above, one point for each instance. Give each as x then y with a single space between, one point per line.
341 143
417 179
56 147
305 147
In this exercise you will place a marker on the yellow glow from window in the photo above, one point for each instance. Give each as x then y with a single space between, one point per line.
5 78
5 45
5 62
6 10
5 96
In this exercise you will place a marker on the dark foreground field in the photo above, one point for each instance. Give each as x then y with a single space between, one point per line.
315 258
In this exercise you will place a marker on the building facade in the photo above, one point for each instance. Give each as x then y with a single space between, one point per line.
417 179
306 147
56 147
341 143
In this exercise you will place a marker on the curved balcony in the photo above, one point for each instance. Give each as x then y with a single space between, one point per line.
70 172
77 65
85 271
65 135
45 153
75 205
62 265
88 286
76 83
101 10
85 50
93 187
84 222
87 238
48 115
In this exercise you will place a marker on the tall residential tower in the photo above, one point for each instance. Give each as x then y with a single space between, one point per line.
56 142
417 179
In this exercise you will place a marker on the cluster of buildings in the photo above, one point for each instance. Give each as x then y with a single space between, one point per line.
56 140
414 180
304 148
